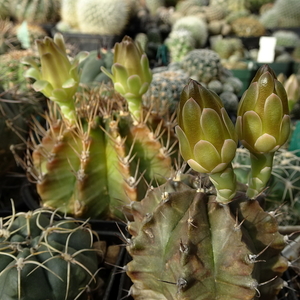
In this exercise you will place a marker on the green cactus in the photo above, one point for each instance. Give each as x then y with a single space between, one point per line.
165 89
284 184
43 257
196 26
179 43
12 72
91 66
202 64
286 38
226 47
106 17
35 11
186 246
282 15
91 160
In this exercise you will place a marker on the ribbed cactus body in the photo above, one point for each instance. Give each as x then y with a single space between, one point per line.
35 11
43 258
187 246
94 168
105 17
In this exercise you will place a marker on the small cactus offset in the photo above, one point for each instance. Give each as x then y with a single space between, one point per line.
102 149
207 237
46 257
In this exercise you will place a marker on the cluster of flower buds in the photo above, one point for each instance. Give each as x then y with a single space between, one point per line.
208 138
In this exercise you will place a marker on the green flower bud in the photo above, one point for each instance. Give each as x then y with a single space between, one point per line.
263 125
263 122
292 88
58 77
131 74
207 137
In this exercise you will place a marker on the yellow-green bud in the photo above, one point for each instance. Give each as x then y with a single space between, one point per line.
292 88
58 77
263 122
207 137
131 74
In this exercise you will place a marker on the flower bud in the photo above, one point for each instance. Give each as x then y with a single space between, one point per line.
58 77
207 137
292 88
263 122
131 74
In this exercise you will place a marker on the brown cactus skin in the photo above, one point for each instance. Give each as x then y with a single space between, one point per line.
185 245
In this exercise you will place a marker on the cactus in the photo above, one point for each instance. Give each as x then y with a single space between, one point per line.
12 72
196 26
179 43
226 47
35 11
255 5
284 184
165 89
187 6
98 146
68 13
105 17
210 241
282 15
202 64
209 251
91 72
43 257
248 26
286 38
213 13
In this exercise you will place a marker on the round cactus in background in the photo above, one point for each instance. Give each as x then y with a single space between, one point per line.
105 17
43 256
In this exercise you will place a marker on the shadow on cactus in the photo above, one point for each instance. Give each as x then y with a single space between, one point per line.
101 148
195 238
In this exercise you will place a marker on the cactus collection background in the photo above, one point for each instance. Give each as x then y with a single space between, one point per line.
154 118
